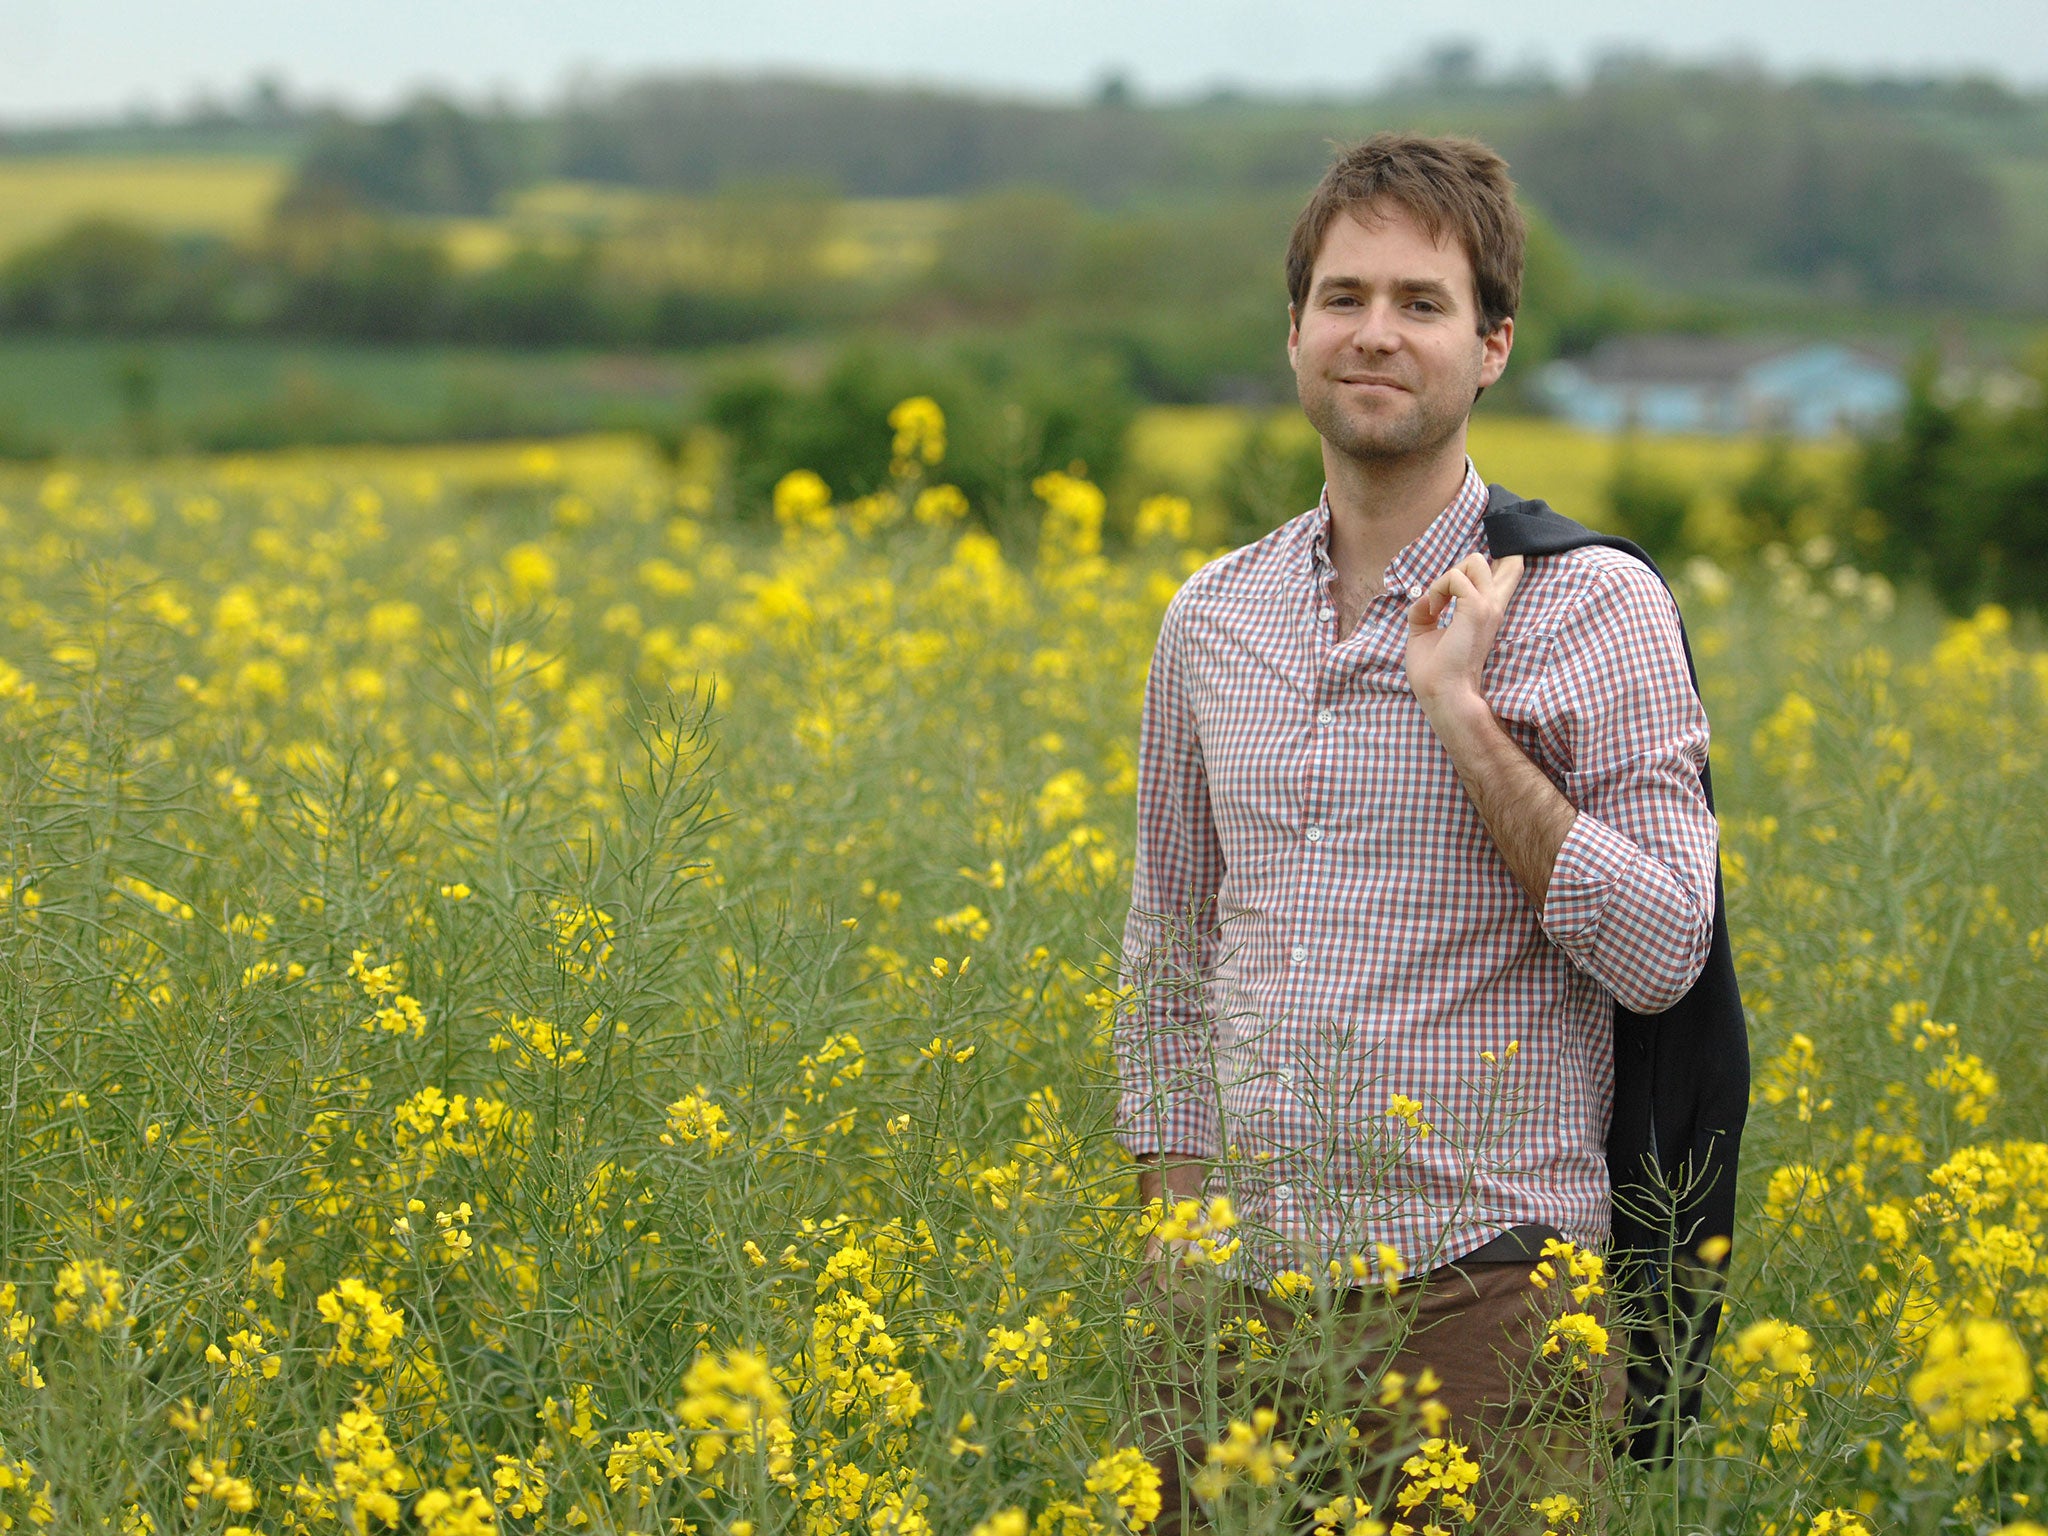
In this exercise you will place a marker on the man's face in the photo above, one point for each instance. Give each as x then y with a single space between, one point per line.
1386 347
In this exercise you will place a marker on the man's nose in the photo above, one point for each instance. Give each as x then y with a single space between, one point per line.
1375 329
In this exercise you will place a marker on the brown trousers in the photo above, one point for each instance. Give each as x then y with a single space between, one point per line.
1535 1425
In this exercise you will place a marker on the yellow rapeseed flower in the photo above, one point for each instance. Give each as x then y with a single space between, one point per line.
1128 1477
455 1512
920 434
803 502
1247 1452
1972 1373
91 1294
365 1329
1016 1354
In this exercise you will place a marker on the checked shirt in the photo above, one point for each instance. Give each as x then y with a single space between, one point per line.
1320 922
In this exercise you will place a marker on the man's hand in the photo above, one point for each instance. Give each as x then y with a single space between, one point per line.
1524 812
1445 660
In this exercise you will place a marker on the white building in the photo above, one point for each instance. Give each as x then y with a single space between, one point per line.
1719 384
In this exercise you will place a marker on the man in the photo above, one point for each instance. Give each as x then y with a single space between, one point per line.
1412 822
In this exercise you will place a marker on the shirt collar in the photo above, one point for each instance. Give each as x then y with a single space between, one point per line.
1451 535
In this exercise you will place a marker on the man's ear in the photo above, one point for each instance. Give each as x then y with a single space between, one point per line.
1293 332
1494 349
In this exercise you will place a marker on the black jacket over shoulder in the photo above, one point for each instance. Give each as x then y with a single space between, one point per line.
1681 1094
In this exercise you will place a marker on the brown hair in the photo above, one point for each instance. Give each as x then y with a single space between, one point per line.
1449 186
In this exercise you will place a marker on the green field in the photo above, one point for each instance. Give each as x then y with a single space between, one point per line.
76 393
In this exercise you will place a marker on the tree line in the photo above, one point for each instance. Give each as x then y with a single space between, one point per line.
1880 191
1960 490
356 278
1877 192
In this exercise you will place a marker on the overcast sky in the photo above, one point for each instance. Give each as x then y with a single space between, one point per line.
72 58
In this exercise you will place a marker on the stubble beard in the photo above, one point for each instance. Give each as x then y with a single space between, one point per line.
1383 442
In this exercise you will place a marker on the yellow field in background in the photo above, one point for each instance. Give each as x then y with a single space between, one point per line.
742 239
1186 448
211 195
1571 468
738 238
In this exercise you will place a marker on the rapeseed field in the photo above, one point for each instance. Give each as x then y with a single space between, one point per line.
527 1005
214 195
1189 448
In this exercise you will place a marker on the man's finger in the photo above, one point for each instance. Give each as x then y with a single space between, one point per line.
1429 608
1457 583
1507 575
1426 611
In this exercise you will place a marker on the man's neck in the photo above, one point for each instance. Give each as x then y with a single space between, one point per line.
1379 508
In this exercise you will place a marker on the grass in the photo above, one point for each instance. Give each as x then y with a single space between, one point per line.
69 391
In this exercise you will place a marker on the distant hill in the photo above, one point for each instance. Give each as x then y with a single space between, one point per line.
1877 190
1720 182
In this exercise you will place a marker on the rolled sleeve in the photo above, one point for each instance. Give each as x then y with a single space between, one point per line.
1631 895
1592 863
1163 1040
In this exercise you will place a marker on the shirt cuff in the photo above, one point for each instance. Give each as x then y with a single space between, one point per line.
1592 863
1187 1129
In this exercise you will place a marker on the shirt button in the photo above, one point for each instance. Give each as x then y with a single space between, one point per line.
1298 954
1314 834
1285 1076
1326 613
1414 591
1324 717
1283 1192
